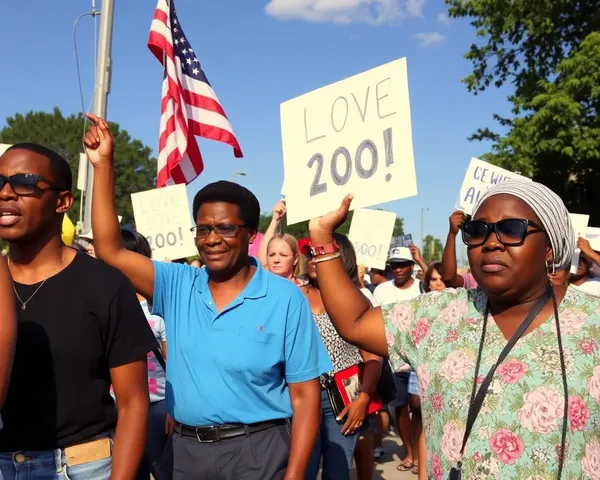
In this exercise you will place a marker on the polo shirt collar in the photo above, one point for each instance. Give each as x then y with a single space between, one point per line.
256 288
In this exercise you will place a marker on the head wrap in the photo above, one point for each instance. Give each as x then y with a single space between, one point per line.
551 211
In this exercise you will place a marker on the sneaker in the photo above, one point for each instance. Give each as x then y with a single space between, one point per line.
379 452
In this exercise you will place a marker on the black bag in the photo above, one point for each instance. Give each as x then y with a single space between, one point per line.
386 386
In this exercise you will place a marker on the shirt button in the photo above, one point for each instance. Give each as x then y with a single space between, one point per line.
20 458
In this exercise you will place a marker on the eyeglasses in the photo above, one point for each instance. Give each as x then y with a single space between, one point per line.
510 232
26 183
223 231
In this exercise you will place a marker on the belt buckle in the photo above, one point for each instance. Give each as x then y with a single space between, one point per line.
202 436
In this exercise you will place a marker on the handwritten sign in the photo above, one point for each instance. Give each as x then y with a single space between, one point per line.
593 236
4 147
580 225
353 136
163 217
370 233
480 177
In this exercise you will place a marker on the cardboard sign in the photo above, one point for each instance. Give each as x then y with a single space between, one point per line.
580 225
370 233
163 217
593 236
4 147
402 241
353 136
480 177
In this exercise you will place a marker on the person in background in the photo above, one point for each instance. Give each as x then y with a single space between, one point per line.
196 263
376 278
244 353
584 280
449 270
157 437
403 286
278 252
8 330
518 232
80 328
77 246
560 278
433 279
337 440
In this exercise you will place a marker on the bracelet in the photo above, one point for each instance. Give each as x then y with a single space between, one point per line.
327 257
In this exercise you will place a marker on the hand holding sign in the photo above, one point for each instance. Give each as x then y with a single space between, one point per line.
352 136
321 228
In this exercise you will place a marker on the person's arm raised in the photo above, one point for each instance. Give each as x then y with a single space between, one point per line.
278 214
449 270
108 244
349 310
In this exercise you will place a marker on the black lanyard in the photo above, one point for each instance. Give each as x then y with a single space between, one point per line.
477 399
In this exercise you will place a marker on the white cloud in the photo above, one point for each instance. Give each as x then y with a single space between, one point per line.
429 39
375 12
443 19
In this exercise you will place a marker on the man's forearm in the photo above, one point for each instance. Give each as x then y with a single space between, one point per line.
130 440
306 422
105 223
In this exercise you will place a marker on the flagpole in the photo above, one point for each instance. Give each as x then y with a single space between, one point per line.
101 90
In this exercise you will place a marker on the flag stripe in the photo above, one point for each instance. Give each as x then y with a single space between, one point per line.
189 105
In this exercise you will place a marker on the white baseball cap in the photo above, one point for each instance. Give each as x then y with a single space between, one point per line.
400 254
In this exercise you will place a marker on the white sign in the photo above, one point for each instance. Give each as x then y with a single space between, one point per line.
580 225
593 236
480 177
353 136
163 217
4 147
371 233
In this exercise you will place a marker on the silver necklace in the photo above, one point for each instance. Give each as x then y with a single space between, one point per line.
24 304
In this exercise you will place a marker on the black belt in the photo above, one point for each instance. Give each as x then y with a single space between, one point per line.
216 433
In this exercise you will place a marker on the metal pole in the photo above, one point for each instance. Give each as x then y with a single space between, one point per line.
236 174
101 90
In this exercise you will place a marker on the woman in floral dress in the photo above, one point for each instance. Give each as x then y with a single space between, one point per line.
544 398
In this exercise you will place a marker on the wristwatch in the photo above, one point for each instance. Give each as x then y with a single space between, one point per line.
326 248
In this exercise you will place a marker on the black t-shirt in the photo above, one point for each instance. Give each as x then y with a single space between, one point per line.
81 322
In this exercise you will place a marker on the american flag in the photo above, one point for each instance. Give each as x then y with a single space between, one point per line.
189 105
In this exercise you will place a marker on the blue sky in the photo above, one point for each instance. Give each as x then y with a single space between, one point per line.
258 54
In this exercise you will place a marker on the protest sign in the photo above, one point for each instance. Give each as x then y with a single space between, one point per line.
370 233
4 147
353 136
401 240
593 236
580 225
480 177
163 217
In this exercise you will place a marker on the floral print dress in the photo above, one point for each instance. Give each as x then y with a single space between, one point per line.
517 434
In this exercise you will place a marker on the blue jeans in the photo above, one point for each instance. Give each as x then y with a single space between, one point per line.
155 445
50 465
335 448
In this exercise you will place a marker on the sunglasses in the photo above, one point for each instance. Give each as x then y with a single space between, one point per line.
27 183
223 231
510 232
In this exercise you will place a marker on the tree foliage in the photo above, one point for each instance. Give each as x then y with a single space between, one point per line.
558 141
135 168
300 230
432 249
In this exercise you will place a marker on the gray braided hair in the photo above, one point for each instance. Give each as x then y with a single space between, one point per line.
551 211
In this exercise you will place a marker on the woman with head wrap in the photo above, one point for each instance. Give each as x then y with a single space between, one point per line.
516 360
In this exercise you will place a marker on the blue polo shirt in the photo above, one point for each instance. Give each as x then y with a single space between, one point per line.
235 366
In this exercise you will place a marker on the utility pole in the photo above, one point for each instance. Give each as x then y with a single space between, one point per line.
101 89
237 174
423 210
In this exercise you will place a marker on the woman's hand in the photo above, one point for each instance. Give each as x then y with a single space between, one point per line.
279 210
321 228
356 413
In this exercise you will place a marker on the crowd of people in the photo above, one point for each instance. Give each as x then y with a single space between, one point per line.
294 362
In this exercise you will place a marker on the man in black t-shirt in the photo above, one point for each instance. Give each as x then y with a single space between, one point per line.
80 329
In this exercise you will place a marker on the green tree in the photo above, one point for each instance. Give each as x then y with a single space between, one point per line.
432 249
557 142
135 168
300 230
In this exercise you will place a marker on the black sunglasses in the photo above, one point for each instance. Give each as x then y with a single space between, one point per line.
510 232
26 183
223 231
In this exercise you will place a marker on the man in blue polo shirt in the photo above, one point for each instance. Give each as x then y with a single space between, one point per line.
244 352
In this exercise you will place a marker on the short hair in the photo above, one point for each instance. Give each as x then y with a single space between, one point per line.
230 192
61 171
348 255
136 242
434 267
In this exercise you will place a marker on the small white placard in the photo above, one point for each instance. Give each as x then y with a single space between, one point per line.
593 236
480 177
353 136
163 216
580 225
371 233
